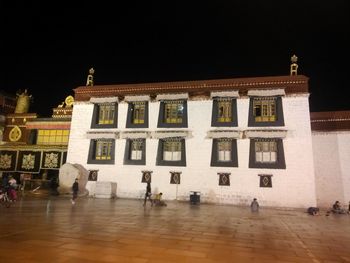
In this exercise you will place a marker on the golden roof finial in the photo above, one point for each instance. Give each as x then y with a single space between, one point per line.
294 65
90 78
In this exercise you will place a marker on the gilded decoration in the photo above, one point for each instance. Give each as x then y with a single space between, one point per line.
5 161
69 101
51 160
23 101
28 161
15 134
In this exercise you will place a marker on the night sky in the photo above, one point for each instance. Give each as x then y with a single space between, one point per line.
48 48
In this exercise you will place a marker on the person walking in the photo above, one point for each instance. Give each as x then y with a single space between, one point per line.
148 194
254 206
75 188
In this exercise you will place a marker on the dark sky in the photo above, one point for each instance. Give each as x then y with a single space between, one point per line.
48 47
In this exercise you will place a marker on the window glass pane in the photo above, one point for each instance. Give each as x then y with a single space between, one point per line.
172 151
173 111
266 151
264 109
106 113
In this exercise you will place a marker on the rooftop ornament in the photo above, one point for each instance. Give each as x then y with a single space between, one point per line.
90 78
294 65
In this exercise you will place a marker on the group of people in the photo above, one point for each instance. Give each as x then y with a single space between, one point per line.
336 209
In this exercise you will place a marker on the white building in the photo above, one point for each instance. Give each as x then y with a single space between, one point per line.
229 139
331 140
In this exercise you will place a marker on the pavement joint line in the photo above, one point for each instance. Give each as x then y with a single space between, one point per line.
300 242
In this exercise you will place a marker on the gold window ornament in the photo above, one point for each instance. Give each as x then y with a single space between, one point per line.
15 134
224 110
138 112
103 150
173 111
264 109
106 113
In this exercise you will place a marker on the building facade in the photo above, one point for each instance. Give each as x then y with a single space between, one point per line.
331 140
229 140
34 149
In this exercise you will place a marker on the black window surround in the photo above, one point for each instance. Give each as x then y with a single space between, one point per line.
95 116
127 153
163 124
279 113
279 164
130 124
215 158
161 162
92 152
214 118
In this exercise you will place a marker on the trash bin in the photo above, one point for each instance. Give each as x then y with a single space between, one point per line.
195 198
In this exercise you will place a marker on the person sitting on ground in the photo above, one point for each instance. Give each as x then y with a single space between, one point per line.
157 200
314 211
337 208
254 206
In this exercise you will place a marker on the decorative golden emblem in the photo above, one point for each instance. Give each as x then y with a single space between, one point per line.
51 160
28 161
69 101
15 134
5 161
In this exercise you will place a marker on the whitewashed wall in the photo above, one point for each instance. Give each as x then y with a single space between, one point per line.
291 187
332 166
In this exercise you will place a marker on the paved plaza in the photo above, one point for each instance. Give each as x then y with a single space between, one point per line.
50 229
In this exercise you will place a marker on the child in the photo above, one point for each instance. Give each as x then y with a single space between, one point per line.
75 188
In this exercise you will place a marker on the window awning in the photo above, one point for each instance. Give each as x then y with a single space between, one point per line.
224 134
233 93
104 100
175 96
170 134
137 98
266 92
134 135
265 134
102 135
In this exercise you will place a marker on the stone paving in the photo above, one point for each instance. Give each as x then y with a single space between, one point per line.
50 229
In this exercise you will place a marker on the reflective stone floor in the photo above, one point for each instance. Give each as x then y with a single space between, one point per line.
103 230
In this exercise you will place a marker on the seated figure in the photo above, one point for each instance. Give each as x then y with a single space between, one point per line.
157 200
337 208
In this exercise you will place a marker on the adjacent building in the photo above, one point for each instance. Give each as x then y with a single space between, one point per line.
331 140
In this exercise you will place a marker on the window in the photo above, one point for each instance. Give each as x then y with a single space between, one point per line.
104 115
173 114
101 151
171 152
224 152
266 111
224 112
53 137
137 115
135 150
266 153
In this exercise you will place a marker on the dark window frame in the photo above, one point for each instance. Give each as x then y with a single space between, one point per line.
92 153
279 164
214 118
161 162
95 117
129 123
163 124
127 153
279 113
215 158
